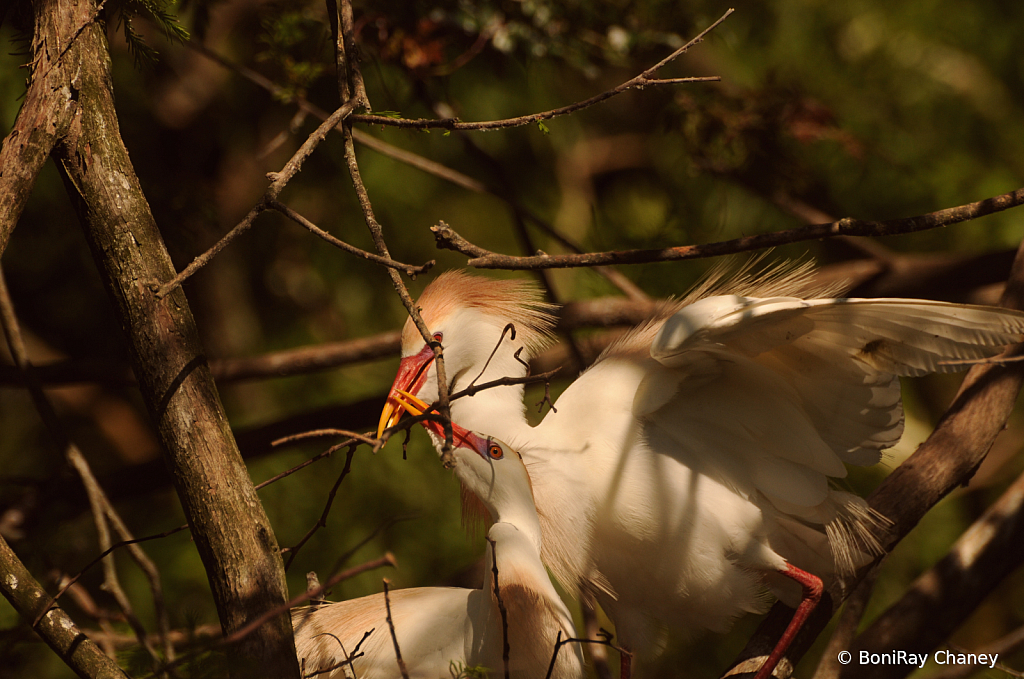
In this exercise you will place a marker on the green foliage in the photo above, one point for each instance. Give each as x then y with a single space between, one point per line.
294 43
460 671
157 11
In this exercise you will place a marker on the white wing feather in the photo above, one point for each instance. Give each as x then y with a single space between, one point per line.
771 396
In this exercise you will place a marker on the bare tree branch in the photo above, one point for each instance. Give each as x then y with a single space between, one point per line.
278 180
322 521
101 508
505 649
407 269
230 529
377 233
942 598
55 627
448 238
641 81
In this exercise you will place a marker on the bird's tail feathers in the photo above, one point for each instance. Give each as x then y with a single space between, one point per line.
852 533
834 538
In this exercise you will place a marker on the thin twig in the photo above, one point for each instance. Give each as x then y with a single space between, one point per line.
638 82
302 465
376 233
111 584
102 555
510 328
605 640
417 161
322 432
505 382
408 269
278 180
505 648
448 238
394 637
322 521
349 658
101 507
387 560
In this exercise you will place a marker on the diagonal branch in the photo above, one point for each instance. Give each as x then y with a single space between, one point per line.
377 233
407 269
54 626
505 648
394 637
278 180
941 599
103 511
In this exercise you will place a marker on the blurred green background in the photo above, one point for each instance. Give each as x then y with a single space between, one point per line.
866 108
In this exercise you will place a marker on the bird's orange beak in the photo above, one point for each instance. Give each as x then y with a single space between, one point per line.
461 438
412 373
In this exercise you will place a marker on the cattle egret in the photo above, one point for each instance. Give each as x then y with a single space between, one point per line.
686 474
442 631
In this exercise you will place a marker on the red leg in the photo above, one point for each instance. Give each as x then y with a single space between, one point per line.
625 663
812 595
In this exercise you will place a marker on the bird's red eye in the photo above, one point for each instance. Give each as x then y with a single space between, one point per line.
494 450
437 336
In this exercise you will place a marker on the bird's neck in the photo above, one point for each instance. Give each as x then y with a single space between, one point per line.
535 613
524 518
496 411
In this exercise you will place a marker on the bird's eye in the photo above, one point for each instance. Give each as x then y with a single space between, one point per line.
438 336
494 450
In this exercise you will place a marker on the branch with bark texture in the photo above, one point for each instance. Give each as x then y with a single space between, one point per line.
231 531
941 599
894 275
480 258
59 632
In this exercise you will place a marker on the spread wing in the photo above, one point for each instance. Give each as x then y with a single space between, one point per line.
772 396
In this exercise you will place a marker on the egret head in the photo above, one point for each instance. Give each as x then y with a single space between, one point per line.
467 316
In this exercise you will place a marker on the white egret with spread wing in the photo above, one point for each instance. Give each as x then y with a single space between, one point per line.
687 473
441 628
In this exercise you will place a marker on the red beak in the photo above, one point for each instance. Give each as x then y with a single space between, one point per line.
461 438
412 373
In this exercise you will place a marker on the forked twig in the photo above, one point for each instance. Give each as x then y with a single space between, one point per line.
605 640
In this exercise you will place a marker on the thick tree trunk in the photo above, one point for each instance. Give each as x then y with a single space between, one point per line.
44 115
229 526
